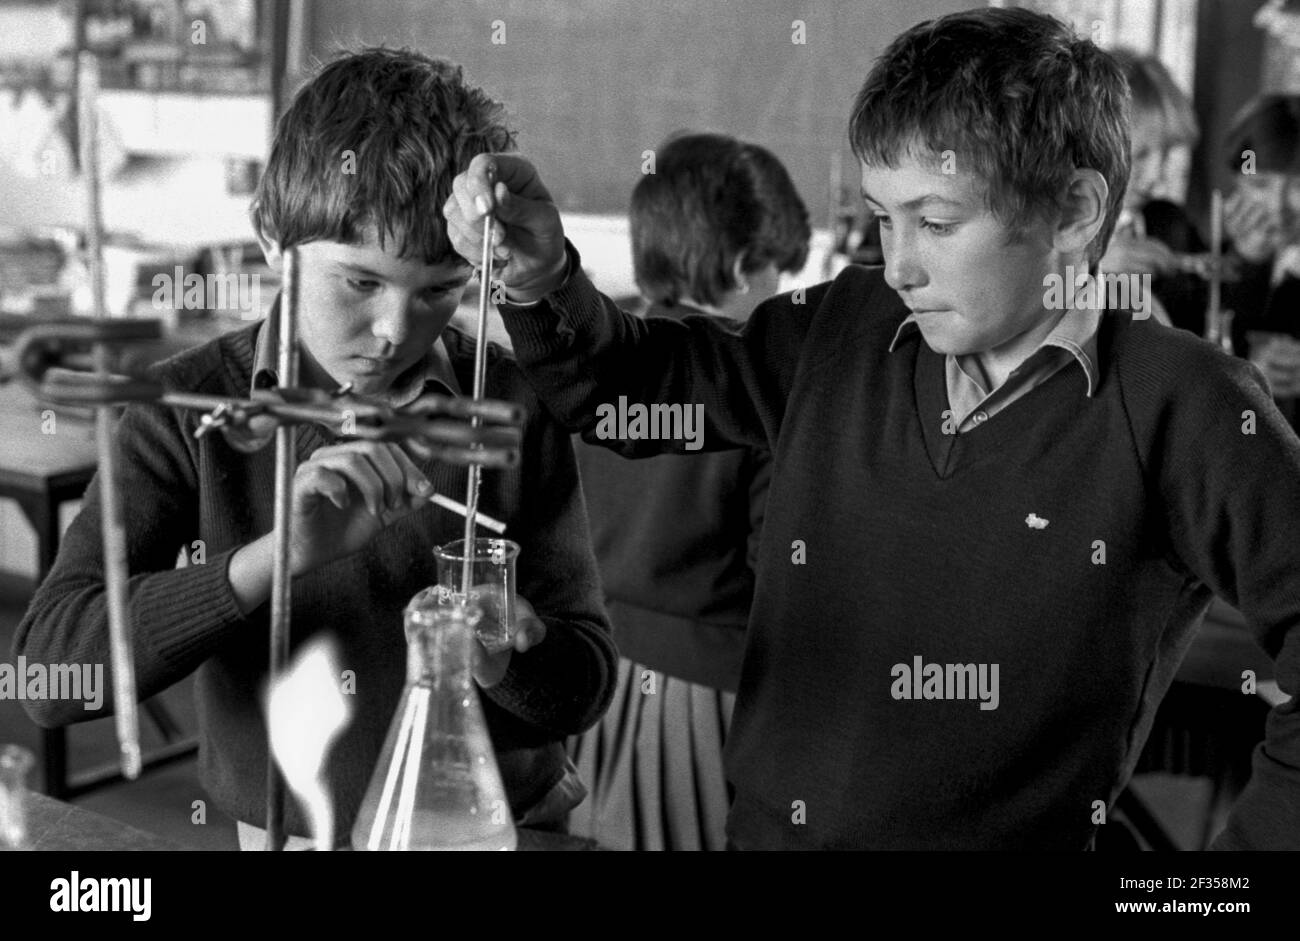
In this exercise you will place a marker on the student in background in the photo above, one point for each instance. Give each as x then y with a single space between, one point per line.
676 536
1262 220
1156 236
1152 230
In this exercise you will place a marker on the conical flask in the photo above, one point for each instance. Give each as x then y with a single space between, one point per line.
437 785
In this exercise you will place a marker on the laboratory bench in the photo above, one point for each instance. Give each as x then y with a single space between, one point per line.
58 826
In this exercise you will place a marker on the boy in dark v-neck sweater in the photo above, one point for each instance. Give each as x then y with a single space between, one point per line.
995 518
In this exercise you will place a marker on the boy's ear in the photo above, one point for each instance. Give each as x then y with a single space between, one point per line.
738 275
1084 214
270 247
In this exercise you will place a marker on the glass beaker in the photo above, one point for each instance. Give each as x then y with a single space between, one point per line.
492 577
15 763
437 785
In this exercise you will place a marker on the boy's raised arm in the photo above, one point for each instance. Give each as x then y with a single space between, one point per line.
590 362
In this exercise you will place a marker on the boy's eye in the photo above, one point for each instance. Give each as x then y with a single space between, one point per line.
364 285
438 293
938 228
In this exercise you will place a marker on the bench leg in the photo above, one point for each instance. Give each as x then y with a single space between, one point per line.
54 744
43 515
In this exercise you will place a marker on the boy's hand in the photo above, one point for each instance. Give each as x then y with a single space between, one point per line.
530 631
345 494
529 237
1278 358
1255 233
1129 255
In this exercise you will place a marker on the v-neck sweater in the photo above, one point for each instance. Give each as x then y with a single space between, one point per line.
1072 543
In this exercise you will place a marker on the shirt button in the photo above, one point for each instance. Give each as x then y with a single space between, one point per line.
981 417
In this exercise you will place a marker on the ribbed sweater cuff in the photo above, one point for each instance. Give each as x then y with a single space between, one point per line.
540 330
543 686
191 610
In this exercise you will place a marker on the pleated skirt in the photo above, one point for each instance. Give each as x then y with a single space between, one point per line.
653 765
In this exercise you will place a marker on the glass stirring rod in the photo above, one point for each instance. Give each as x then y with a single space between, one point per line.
480 368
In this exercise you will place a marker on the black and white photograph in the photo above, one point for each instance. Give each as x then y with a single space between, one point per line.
628 426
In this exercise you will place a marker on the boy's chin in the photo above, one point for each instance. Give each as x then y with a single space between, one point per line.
369 384
945 341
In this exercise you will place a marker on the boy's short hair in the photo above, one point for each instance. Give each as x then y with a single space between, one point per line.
1152 89
1269 126
375 139
1015 95
713 199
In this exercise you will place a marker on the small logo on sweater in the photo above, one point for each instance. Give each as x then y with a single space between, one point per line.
657 422
923 680
1034 521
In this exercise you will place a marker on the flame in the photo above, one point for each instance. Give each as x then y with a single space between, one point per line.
306 712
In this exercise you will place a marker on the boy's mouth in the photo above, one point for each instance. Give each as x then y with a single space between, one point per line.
369 364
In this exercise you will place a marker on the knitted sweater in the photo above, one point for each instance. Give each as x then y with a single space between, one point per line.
676 537
960 641
178 490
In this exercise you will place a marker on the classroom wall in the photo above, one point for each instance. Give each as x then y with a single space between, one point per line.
591 84
1229 63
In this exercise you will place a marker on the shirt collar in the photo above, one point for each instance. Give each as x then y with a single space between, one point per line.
1076 333
433 369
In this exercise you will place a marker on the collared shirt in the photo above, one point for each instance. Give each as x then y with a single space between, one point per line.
1072 340
433 369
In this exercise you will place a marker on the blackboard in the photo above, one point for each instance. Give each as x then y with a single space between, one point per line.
592 84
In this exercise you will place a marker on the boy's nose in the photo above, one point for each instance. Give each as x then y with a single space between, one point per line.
903 270
393 322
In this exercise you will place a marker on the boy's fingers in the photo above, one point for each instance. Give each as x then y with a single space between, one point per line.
391 475
462 199
1162 256
530 632
320 482
463 241
511 207
517 174
418 488
476 194
481 184
361 474
376 465
465 222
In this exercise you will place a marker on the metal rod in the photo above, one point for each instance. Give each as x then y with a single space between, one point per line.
125 710
1213 315
480 369
836 193
285 466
